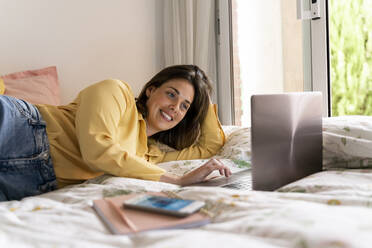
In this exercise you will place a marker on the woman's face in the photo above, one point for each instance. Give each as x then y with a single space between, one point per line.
168 104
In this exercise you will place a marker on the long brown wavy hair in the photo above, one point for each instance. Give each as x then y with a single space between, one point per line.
185 133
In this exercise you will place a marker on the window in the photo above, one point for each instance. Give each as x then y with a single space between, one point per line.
350 26
267 51
270 51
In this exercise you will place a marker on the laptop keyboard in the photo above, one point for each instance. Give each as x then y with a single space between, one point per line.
240 180
244 184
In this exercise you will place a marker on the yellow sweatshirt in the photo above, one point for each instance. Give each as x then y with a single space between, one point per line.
101 131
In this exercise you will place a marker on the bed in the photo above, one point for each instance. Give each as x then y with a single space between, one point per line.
331 208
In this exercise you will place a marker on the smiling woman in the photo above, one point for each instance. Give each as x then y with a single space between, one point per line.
106 130
195 98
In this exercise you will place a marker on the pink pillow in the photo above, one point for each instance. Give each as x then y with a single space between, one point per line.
35 86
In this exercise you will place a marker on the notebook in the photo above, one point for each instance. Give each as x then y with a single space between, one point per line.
143 220
286 133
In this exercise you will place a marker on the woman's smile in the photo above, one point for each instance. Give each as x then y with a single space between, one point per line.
166 116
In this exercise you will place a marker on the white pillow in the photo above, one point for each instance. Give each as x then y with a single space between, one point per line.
347 142
238 144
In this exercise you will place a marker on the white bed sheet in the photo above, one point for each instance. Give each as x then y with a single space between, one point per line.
328 209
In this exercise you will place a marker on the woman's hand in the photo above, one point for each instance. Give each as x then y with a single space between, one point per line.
198 175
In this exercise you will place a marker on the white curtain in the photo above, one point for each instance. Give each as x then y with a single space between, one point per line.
189 35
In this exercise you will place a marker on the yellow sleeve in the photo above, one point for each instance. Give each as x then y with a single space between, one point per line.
211 139
2 86
106 112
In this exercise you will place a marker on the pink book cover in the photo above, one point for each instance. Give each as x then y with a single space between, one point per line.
143 220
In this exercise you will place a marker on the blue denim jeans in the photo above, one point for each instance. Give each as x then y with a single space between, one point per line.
26 168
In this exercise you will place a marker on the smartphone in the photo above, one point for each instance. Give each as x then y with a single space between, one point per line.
164 205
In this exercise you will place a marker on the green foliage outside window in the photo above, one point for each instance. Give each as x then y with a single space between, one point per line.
351 56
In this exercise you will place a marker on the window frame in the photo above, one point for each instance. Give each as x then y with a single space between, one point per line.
320 57
225 78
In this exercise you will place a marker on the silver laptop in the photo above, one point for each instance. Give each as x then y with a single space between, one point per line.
286 133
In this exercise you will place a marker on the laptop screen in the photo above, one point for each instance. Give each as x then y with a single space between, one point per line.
286 138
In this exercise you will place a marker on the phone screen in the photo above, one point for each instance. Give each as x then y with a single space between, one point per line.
172 204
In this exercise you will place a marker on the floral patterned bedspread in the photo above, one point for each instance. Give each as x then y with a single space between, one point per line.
331 208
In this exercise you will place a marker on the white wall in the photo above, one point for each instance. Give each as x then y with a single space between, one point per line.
88 40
